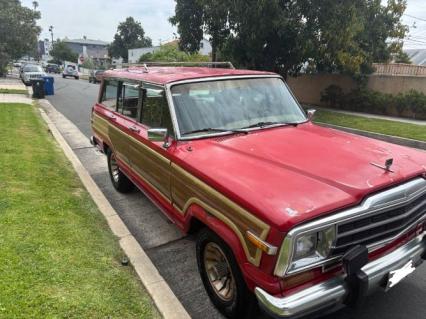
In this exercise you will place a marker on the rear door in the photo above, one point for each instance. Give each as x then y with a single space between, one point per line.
104 111
123 125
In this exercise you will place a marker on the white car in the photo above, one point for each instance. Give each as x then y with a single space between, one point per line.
70 69
31 72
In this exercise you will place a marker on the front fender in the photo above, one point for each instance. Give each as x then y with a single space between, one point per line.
253 276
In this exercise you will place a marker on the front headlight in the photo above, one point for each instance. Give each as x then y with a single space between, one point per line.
305 250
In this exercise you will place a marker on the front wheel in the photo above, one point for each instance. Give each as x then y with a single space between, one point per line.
120 181
222 277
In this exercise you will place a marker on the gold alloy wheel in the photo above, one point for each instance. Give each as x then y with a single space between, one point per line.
114 168
219 272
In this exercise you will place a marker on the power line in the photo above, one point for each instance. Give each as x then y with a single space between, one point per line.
416 41
410 16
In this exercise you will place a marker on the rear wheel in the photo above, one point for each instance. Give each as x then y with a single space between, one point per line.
120 181
222 277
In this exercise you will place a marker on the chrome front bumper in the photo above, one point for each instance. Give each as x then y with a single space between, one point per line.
333 293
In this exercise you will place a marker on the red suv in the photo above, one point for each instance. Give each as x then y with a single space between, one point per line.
302 218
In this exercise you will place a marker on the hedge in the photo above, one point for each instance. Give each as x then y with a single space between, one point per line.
411 104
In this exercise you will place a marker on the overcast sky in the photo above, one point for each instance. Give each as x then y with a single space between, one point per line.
98 19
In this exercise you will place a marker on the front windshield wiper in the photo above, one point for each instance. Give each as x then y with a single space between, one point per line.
214 129
265 124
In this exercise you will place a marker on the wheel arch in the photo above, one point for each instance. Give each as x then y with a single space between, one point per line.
198 217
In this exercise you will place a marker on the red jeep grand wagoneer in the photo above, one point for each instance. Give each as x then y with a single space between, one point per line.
304 218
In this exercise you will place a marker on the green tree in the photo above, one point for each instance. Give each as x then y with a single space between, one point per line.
88 64
194 18
18 32
62 52
130 35
286 35
402 57
171 53
188 19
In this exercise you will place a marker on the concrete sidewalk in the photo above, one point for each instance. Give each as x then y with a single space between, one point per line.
375 116
12 83
15 98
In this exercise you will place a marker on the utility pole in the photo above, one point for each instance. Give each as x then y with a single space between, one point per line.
51 32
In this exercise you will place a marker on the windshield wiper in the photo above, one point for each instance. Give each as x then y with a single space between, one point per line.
214 129
265 124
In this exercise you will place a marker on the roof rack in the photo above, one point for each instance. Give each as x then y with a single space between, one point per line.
225 65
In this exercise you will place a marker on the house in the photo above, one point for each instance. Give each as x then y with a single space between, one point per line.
135 54
417 56
95 49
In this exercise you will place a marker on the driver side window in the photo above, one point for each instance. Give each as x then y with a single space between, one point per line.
155 109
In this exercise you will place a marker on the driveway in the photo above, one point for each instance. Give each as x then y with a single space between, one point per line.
173 253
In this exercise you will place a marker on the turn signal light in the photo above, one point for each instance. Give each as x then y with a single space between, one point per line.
261 244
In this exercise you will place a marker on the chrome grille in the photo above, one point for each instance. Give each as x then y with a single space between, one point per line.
380 225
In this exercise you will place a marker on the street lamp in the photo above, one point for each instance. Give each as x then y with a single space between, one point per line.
51 32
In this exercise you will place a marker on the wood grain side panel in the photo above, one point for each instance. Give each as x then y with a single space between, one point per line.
188 190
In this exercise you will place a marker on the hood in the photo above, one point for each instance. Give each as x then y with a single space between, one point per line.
289 175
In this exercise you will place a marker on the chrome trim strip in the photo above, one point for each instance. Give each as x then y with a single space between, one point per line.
333 292
383 222
385 200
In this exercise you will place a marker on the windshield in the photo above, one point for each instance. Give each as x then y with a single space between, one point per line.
234 104
32 68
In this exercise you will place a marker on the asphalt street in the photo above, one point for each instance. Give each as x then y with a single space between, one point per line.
174 254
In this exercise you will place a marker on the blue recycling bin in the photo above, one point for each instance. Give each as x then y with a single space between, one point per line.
48 85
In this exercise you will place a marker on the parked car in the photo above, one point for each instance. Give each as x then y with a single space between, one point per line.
31 72
96 76
302 217
53 68
70 69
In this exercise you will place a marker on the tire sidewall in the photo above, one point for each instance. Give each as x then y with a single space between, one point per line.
235 308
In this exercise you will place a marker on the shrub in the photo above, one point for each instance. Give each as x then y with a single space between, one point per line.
332 95
411 104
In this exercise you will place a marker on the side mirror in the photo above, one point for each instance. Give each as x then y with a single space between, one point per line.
311 113
159 135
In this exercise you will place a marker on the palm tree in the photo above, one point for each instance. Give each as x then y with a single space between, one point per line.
35 5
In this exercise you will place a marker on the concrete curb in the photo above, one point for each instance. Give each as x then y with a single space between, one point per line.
387 138
163 297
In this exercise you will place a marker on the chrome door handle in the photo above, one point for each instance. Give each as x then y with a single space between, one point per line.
134 129
112 116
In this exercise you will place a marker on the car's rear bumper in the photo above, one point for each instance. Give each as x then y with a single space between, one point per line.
333 293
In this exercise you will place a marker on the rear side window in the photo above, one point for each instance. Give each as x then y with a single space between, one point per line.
109 94
129 100
155 109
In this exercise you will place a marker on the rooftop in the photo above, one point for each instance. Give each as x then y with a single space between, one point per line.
164 75
417 56
86 41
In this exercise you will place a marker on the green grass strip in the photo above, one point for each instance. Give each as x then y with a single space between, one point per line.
58 256
13 91
407 130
